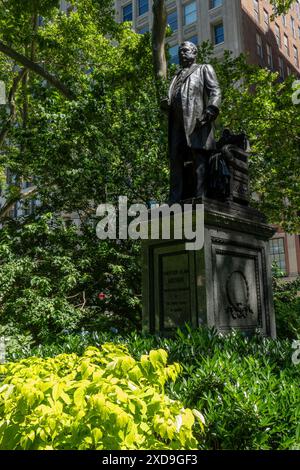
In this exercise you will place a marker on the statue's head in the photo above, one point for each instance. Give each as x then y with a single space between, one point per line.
187 53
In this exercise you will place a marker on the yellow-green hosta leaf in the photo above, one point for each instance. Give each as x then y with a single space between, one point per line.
65 398
131 407
6 390
96 434
145 362
178 422
188 419
121 395
79 396
135 373
158 358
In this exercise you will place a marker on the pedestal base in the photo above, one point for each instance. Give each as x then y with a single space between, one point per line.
227 284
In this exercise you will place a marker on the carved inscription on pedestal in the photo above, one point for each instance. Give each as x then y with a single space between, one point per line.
176 296
237 289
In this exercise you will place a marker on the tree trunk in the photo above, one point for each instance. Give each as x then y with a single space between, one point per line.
158 39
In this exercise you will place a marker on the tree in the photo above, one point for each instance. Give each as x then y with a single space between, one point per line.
72 151
281 6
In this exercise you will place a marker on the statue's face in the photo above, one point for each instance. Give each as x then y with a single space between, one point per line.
187 55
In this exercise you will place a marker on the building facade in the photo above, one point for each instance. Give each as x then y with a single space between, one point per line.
274 44
237 25
218 21
285 251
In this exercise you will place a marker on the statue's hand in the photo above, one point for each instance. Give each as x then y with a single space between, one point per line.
164 105
210 114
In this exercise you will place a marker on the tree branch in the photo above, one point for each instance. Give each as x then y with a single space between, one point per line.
34 67
23 195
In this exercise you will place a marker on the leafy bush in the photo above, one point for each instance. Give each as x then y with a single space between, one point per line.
246 388
103 400
246 404
288 319
51 275
287 307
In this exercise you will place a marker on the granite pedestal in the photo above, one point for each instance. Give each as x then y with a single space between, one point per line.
227 284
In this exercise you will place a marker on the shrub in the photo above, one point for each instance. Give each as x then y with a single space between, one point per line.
245 402
103 400
51 277
287 307
246 388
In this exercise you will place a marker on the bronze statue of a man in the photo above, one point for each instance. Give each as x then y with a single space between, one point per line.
193 104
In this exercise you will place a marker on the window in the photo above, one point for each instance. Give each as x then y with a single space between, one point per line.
193 39
296 56
286 44
174 58
143 30
278 35
173 20
256 10
277 253
259 48
293 27
281 67
10 177
288 71
269 56
266 20
298 8
13 213
218 33
299 32
275 10
215 3
190 13
127 12
143 7
284 20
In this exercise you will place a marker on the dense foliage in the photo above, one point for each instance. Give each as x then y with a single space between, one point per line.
246 389
282 6
287 307
51 279
103 400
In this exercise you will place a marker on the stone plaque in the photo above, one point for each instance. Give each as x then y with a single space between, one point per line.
175 290
237 290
